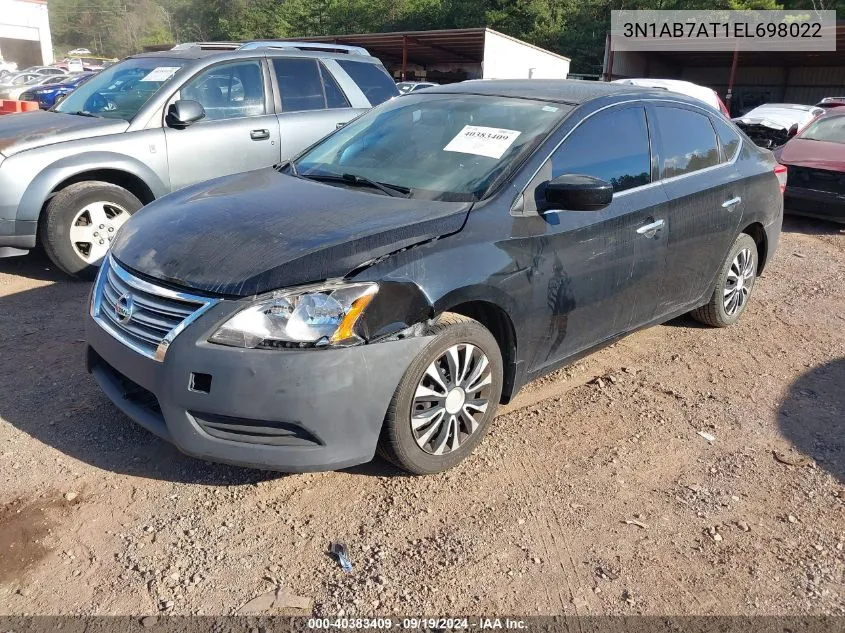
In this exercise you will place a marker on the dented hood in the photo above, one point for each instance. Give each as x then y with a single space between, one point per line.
259 231
28 130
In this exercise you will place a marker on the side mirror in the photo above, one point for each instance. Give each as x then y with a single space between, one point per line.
184 113
575 192
793 131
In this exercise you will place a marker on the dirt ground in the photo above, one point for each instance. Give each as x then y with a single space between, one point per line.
595 492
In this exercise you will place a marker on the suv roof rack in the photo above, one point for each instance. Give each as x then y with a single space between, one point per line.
208 46
305 46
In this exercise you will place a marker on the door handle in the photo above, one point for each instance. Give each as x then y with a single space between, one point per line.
727 204
651 228
259 135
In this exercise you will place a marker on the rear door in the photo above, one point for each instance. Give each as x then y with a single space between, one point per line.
596 272
705 189
239 132
311 103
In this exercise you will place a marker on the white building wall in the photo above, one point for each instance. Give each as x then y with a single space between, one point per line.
509 58
26 20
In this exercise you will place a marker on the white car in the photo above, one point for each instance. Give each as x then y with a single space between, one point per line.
702 93
772 124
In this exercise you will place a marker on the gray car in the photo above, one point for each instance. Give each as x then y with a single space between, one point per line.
157 122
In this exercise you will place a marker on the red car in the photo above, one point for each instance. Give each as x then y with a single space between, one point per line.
815 161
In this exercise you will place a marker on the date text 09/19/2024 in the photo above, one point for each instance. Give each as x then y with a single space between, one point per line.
418 623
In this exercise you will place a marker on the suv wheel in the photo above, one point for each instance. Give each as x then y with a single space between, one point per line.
80 223
733 287
446 399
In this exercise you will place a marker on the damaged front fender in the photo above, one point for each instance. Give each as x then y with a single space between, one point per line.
396 307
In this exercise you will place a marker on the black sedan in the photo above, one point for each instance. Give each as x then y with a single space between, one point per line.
398 280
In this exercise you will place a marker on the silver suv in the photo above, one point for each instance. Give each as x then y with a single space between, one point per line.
158 122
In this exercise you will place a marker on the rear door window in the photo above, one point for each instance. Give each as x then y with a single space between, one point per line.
305 85
372 79
611 145
729 139
688 141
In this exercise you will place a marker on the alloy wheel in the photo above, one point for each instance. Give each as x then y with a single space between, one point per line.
93 229
739 281
451 399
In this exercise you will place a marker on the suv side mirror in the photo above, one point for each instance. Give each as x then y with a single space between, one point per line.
575 192
184 113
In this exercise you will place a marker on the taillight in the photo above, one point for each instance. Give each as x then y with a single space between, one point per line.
780 172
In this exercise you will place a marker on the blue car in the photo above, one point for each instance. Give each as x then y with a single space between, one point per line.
47 94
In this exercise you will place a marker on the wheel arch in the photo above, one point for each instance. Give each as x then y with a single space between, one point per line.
500 324
117 169
756 231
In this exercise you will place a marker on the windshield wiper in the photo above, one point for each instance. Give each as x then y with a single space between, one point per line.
84 113
395 191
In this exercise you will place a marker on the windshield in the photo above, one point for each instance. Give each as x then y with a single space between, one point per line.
829 128
122 89
441 147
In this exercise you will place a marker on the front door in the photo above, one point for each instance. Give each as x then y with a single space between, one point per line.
595 274
239 132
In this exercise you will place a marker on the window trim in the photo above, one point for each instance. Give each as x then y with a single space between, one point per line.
177 93
647 102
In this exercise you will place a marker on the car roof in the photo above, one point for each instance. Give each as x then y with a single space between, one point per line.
195 53
569 91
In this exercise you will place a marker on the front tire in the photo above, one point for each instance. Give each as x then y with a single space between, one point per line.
446 400
81 221
733 287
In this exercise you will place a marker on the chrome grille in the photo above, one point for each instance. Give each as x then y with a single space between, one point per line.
142 315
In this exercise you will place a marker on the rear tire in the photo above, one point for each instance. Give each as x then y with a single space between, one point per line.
446 400
80 222
733 287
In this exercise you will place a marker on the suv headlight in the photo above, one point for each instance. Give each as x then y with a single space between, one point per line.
310 316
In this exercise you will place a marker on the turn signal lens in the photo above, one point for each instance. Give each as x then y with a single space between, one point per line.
344 331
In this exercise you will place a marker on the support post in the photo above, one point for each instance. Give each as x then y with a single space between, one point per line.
730 93
404 57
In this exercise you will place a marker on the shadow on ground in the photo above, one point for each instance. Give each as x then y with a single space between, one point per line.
810 226
812 416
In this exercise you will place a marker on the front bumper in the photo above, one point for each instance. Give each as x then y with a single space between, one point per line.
287 410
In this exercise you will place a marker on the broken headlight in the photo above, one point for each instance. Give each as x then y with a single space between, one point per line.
313 316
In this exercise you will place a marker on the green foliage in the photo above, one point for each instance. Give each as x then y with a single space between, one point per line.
575 28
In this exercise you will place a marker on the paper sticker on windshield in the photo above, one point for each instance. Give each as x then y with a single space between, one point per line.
482 141
160 74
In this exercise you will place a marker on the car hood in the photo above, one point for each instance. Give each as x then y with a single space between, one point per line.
251 233
29 130
776 118
815 154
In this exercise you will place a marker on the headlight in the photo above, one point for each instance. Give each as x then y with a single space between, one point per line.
312 316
